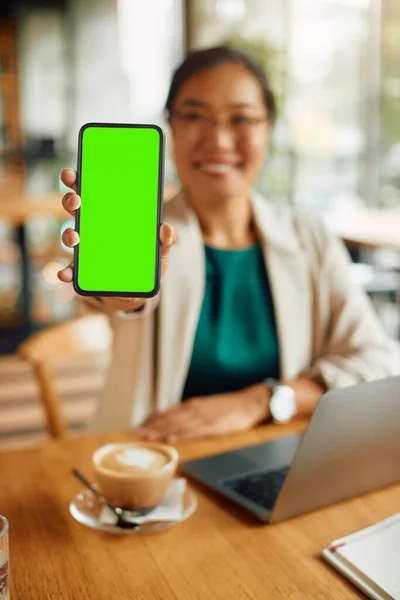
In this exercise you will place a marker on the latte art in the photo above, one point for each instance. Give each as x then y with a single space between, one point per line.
132 459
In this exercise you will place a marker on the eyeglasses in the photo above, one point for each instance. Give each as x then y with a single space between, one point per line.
196 123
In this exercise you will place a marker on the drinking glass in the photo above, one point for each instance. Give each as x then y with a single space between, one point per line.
4 568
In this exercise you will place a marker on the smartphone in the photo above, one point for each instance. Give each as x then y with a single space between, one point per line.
120 178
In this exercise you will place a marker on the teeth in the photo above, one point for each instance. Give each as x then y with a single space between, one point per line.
215 168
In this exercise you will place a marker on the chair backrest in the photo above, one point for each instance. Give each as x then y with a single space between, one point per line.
81 335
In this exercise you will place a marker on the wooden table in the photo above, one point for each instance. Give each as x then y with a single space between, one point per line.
368 227
220 553
19 209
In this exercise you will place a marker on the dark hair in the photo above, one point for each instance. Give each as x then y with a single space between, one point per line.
213 57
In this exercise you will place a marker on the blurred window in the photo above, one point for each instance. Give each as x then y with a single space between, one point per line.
334 65
152 44
390 104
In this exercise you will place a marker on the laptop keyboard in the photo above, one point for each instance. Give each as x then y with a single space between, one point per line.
262 487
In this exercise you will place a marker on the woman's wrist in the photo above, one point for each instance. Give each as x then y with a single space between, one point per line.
137 309
308 392
260 395
128 305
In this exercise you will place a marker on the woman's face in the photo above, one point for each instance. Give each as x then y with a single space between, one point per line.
219 161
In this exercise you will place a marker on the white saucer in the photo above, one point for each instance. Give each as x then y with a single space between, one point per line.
86 508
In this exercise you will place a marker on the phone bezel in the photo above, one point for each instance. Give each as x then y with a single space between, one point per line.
157 277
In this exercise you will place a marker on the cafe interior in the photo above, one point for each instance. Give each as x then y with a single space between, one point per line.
335 151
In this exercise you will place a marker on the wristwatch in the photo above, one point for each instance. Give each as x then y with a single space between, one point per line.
282 404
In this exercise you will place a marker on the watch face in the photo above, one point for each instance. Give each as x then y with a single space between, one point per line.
283 404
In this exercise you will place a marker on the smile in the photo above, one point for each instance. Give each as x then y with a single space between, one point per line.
216 168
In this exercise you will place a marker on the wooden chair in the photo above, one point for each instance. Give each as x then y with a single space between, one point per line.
79 336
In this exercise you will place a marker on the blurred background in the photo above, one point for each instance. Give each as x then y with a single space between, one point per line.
335 66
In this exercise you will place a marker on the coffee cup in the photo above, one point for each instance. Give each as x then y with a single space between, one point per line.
135 475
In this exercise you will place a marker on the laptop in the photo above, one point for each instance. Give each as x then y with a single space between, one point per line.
351 446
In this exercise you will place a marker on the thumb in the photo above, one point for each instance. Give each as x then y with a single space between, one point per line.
168 237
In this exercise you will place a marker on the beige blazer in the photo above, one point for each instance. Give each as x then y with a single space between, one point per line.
326 326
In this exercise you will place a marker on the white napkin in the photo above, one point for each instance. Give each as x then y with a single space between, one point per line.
170 509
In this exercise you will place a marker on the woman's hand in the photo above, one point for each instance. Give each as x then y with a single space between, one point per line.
71 201
209 416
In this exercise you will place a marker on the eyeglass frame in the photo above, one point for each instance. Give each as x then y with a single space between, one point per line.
212 121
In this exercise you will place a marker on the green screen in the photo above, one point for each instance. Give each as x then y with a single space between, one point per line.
118 216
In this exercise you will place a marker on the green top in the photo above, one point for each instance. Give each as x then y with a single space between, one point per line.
236 343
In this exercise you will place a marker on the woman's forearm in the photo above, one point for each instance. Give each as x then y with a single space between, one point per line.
308 391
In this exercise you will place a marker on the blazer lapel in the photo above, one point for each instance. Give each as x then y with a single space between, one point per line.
290 282
181 300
